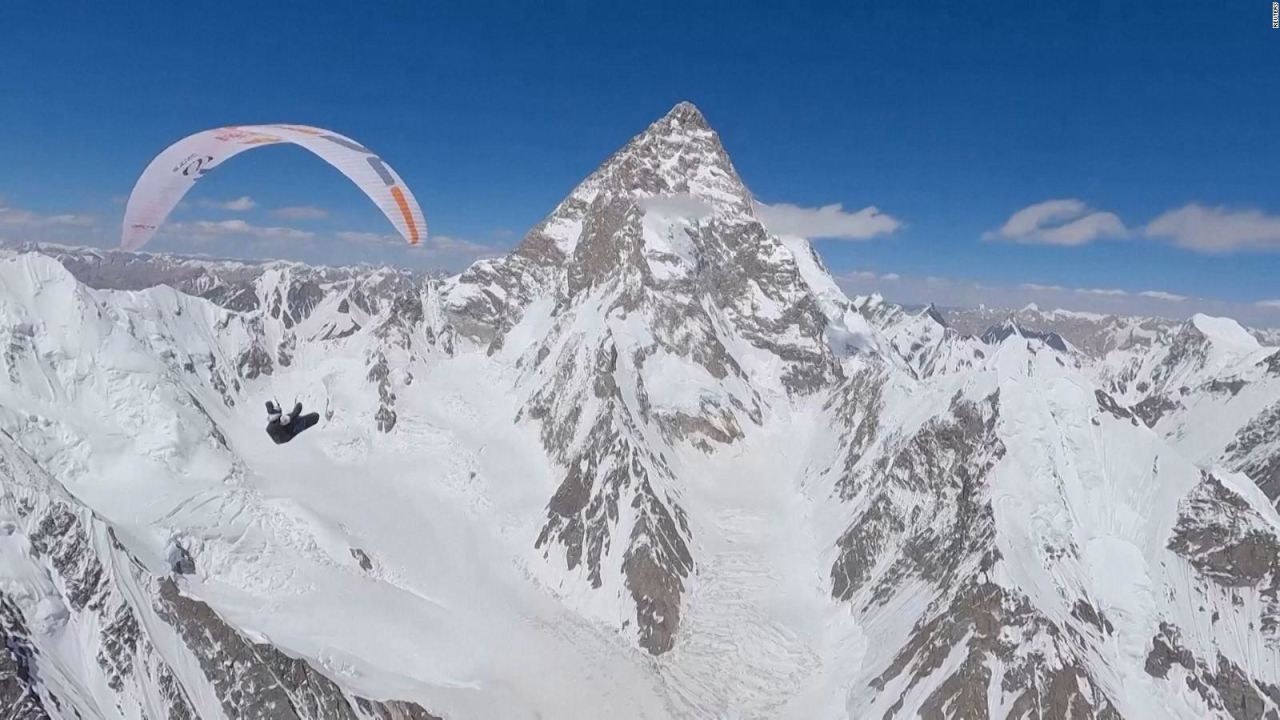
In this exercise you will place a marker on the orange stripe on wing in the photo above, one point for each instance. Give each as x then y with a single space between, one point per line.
302 129
408 216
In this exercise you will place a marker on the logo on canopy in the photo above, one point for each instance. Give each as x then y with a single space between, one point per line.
195 166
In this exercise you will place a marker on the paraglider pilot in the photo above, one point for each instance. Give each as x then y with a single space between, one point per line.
283 428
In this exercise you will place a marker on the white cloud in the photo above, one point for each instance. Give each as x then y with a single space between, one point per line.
368 237
1162 295
1030 219
26 218
238 238
828 221
433 242
681 204
18 225
868 275
1217 229
859 275
71 219
447 250
448 243
13 216
1066 222
1070 222
956 292
206 229
300 212
240 204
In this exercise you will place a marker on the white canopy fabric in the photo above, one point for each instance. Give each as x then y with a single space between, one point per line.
173 172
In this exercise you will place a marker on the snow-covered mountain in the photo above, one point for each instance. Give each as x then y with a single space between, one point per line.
1208 385
652 463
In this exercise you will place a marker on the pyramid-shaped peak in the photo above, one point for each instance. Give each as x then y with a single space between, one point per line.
686 114
676 165
997 334
683 124
934 314
677 154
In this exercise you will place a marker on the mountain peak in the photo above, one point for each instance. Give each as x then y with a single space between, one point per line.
684 130
998 333
1224 331
933 313
686 114
677 159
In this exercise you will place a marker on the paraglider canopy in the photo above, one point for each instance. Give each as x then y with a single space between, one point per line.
173 172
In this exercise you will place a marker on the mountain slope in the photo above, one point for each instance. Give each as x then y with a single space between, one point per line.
653 462
671 316
92 631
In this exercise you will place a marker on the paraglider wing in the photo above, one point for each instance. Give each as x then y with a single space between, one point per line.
173 172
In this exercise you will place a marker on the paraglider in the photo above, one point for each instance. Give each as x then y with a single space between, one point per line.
176 170
283 428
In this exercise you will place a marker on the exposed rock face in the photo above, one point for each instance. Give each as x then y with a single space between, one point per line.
1224 687
380 375
943 467
1109 405
489 297
254 680
1010 328
1230 543
1152 409
20 694
662 237
1272 363
1255 451
928 523
992 626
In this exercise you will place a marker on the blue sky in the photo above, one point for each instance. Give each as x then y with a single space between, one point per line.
1144 139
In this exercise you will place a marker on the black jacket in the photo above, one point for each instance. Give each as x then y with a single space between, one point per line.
282 429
